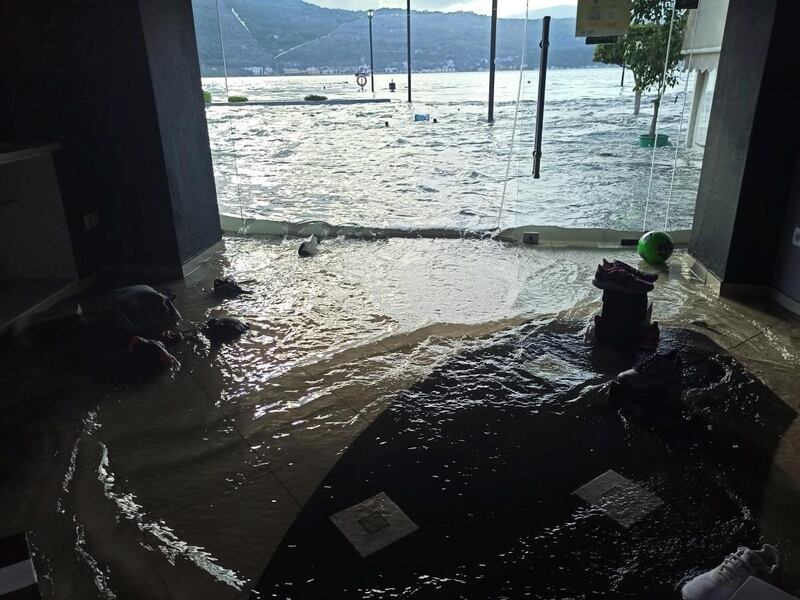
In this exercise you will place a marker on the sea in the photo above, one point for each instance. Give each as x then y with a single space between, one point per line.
375 165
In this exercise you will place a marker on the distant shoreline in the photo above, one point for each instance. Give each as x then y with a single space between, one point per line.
403 73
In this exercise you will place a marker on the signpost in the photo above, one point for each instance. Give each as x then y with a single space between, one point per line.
603 18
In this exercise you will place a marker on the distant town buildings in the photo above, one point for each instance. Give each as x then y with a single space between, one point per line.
447 66
259 70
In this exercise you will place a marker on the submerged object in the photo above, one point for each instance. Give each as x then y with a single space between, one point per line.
422 117
309 247
655 247
225 329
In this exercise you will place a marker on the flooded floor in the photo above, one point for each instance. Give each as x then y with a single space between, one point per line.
184 486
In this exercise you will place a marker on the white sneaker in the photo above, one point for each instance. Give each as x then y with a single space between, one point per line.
721 582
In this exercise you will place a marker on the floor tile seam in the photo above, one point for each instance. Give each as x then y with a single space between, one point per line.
239 412
743 342
207 394
357 413
285 487
161 440
266 465
268 472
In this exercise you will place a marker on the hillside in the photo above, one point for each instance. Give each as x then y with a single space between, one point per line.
280 35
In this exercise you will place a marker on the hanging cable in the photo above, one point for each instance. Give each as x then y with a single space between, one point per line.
683 113
516 114
655 132
242 228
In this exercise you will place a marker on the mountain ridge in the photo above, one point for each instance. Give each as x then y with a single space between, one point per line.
293 36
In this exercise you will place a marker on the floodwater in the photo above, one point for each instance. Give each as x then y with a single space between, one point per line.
183 486
484 454
342 165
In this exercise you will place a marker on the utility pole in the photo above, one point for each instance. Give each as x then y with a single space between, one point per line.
492 60
408 44
371 12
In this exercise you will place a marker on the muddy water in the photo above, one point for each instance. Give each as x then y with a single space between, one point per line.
484 454
183 486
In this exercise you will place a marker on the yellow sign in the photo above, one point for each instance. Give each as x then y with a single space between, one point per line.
603 17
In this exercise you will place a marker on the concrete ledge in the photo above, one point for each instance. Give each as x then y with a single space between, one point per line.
743 290
585 237
549 236
302 102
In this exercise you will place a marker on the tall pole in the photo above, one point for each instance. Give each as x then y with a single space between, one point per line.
408 45
371 63
544 45
492 60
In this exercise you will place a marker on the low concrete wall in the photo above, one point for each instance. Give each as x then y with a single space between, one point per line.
548 235
301 102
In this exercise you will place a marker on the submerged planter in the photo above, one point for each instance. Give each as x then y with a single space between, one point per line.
648 141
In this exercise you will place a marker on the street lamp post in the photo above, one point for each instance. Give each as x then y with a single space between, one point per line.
492 60
408 45
371 12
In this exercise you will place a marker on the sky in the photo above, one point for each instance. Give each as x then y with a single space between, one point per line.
484 7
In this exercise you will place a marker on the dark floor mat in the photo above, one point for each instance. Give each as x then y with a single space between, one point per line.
485 453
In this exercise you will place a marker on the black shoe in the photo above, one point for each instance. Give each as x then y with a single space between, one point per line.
618 264
621 281
653 389
658 370
228 286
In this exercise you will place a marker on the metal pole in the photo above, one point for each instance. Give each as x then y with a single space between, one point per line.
622 81
408 44
492 60
371 64
544 45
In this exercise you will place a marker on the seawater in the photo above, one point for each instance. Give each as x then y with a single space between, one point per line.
343 165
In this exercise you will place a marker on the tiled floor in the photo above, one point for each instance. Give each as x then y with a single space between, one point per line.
183 486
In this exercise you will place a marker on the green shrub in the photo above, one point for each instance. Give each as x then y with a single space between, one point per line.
206 97
315 98
237 98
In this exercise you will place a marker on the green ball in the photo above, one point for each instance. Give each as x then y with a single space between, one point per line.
655 247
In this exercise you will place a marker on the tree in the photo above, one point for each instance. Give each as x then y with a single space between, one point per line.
644 50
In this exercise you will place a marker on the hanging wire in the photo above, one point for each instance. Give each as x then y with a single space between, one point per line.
655 133
683 113
516 114
242 228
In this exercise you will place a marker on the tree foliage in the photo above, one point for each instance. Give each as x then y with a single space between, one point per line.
644 49
651 49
